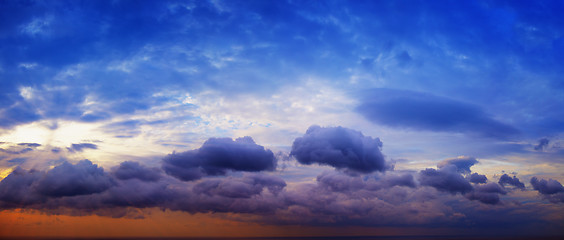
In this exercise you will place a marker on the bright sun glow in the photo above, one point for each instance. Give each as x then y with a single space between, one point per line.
65 134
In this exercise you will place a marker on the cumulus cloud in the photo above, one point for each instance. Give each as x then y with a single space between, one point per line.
70 180
85 188
487 193
461 163
23 188
15 189
377 197
129 170
341 182
551 189
245 187
216 156
423 111
446 179
341 148
507 180
392 198
478 178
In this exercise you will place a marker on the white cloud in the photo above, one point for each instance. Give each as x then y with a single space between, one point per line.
37 26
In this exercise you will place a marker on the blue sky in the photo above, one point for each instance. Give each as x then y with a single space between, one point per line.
167 84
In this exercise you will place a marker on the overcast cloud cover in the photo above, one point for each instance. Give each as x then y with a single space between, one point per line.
409 114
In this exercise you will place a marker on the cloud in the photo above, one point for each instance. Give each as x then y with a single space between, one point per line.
245 187
16 189
26 188
17 113
478 178
79 147
380 199
461 163
424 111
33 145
446 179
405 180
487 193
67 179
543 143
129 170
551 189
341 148
15 151
216 156
340 182
507 180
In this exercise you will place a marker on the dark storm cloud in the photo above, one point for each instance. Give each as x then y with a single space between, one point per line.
478 178
507 180
543 143
216 156
550 189
341 148
446 179
424 111
79 147
462 164
129 170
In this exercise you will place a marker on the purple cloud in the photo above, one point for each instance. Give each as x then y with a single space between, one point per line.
216 156
507 180
381 199
478 178
423 111
462 164
70 180
446 179
341 148
16 189
487 193
79 147
551 189
129 170
245 187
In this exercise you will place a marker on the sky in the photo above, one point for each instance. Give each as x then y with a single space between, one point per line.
216 118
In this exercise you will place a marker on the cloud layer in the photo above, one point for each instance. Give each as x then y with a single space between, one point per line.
239 177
